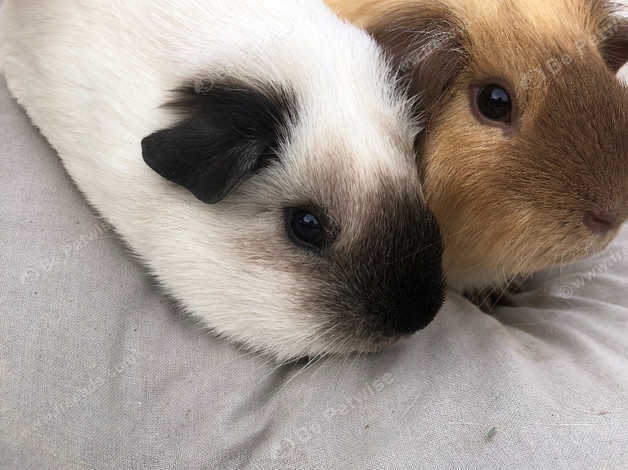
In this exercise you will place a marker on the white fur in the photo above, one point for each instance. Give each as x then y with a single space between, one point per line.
93 75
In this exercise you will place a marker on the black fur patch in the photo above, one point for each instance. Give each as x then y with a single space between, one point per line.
229 131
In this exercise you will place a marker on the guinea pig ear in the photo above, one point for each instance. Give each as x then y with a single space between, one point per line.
614 42
229 131
428 45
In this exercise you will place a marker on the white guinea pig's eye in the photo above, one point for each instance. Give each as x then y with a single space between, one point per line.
494 103
304 227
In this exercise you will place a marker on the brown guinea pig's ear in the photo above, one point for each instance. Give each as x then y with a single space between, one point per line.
427 45
612 36
615 48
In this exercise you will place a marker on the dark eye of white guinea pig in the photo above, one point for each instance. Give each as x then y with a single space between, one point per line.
494 103
304 227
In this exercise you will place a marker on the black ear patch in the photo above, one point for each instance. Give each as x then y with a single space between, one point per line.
229 131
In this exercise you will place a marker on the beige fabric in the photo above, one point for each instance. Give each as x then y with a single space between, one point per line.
98 370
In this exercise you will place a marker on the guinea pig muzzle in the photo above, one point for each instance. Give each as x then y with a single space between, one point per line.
389 282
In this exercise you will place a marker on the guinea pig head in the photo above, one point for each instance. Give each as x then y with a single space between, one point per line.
321 239
525 156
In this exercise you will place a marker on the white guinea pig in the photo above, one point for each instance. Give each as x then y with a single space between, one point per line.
256 155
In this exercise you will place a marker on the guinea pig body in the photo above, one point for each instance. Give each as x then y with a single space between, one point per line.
256 155
525 155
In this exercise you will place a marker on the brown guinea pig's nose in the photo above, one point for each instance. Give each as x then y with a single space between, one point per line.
600 223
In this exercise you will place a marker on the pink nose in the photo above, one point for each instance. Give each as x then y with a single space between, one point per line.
600 223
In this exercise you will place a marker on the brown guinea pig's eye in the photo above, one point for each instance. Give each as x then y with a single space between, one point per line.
494 103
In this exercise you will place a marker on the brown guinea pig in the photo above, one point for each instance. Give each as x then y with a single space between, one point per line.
525 154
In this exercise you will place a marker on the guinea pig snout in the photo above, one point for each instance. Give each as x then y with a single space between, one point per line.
416 295
404 288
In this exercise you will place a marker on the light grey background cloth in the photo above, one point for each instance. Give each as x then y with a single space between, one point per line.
99 371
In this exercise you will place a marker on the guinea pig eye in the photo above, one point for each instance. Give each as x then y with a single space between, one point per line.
494 103
304 227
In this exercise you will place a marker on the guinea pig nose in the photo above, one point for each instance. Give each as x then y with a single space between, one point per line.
414 290
600 223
